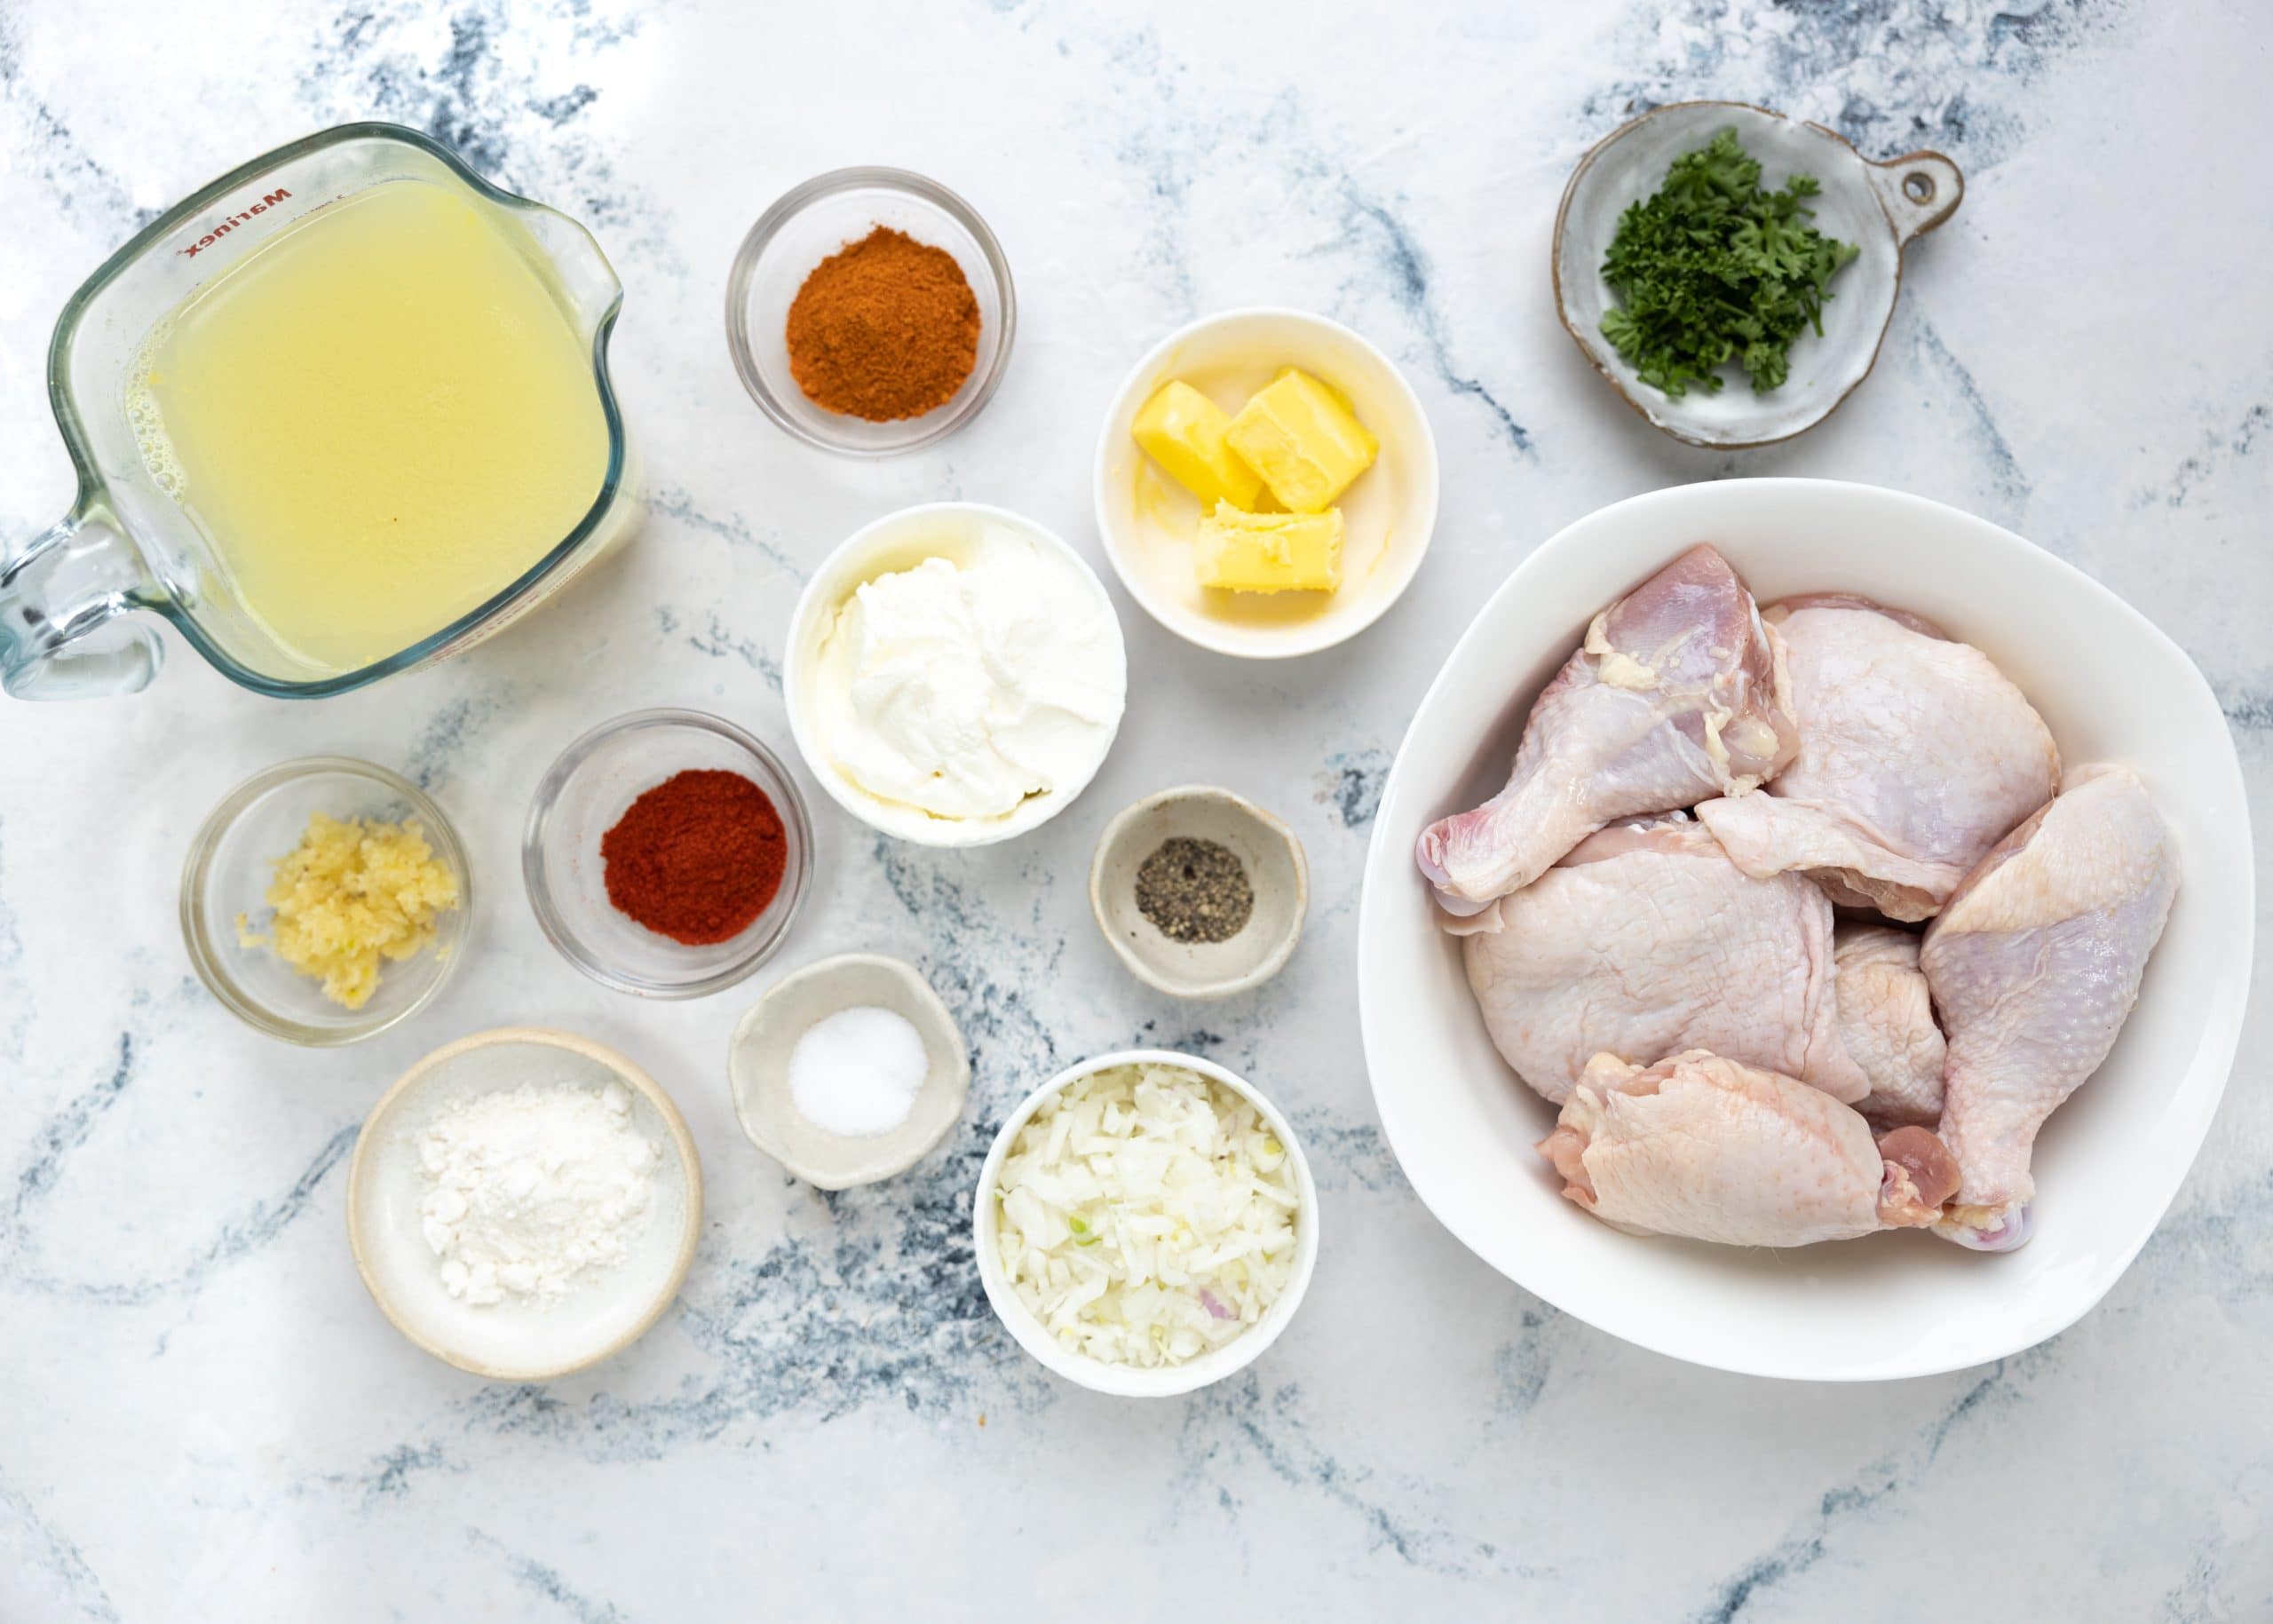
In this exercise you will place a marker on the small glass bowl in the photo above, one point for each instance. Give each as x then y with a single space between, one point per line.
804 227
580 799
231 862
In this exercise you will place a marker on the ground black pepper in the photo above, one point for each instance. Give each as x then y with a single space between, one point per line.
1194 890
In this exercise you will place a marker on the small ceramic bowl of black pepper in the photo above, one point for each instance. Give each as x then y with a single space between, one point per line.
1200 892
667 853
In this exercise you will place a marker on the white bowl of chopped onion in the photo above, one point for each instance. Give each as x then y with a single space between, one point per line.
1145 1223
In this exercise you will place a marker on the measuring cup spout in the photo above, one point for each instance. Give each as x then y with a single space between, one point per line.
65 602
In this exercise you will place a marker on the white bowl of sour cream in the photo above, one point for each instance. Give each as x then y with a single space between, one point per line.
955 675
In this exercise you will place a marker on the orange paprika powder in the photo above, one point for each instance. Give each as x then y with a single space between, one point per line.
884 328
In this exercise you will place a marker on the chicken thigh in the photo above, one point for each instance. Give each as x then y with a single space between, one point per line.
1678 693
2035 963
1646 940
1916 755
1886 1024
1701 1146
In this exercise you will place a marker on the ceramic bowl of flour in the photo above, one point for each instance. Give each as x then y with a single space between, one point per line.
557 1265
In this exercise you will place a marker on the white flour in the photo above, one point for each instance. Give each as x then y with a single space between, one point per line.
529 1190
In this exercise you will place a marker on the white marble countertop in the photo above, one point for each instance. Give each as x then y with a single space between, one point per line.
205 1416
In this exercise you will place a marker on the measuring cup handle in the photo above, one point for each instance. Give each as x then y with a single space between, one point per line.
64 601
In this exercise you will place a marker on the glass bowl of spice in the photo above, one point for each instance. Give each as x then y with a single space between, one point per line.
667 853
325 900
870 311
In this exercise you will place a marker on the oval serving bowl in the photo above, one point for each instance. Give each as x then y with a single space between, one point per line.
1878 206
2109 685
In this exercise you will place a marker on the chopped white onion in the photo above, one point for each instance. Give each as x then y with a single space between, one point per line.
1147 1214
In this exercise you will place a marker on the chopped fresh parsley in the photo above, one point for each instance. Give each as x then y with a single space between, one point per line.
1713 269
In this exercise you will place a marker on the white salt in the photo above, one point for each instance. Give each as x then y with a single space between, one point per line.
855 1074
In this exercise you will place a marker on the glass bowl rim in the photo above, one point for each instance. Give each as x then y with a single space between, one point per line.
197 863
794 202
796 822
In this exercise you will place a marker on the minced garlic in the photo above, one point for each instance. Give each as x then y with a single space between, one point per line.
349 895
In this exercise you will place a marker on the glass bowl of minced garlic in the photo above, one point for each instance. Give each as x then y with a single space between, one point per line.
325 900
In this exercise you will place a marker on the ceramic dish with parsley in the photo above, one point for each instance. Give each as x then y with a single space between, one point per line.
1730 272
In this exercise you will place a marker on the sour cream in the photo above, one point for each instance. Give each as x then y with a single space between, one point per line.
962 686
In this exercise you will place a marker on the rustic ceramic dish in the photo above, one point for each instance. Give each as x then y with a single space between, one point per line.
1878 206
511 1342
757 1067
1275 868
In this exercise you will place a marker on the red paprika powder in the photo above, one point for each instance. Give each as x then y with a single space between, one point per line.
697 858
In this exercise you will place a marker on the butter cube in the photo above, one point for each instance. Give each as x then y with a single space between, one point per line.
1183 430
1300 436
1270 553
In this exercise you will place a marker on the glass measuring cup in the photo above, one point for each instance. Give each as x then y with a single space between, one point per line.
67 601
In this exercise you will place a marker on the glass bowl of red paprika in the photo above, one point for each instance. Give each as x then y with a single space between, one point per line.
667 853
870 311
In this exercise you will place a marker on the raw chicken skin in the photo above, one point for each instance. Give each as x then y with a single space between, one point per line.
1701 1146
1886 1024
2035 964
1679 693
1916 755
1646 940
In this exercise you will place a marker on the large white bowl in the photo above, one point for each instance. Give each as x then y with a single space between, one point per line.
1130 1381
2109 685
901 541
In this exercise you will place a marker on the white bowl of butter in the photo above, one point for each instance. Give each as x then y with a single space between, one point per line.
1149 522
955 675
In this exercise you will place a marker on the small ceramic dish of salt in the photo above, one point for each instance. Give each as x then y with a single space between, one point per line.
849 1070
523 1203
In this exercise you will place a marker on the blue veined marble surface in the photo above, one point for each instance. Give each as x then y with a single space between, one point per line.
205 1417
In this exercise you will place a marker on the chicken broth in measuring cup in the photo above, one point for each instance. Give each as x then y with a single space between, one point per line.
380 419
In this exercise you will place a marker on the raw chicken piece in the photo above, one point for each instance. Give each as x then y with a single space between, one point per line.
1886 1024
1701 1146
1916 755
1646 940
2035 964
1678 693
